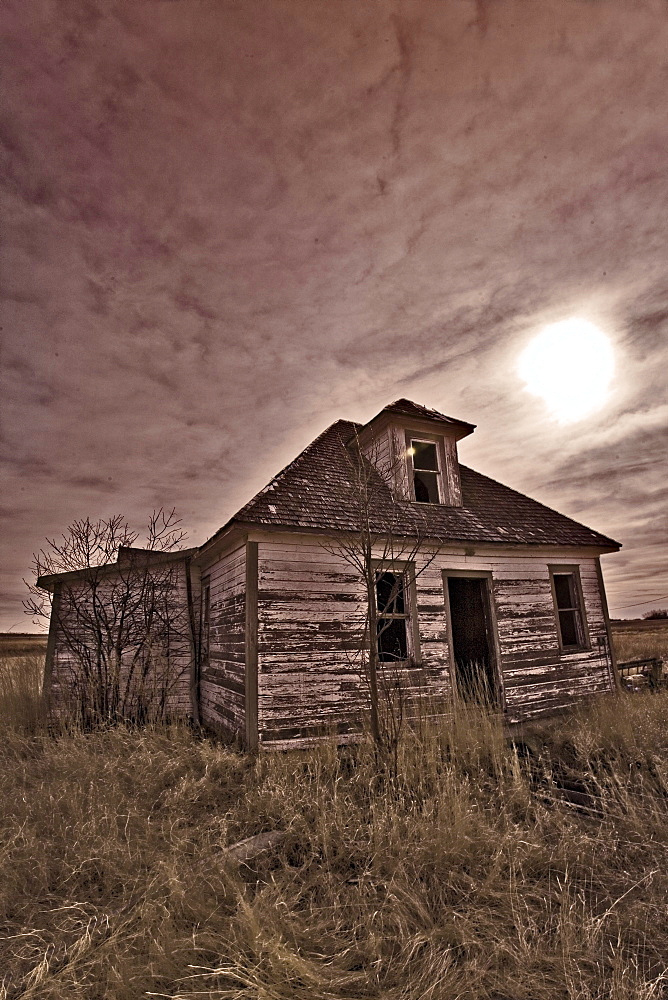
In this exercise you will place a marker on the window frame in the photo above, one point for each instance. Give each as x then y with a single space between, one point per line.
581 626
422 437
406 569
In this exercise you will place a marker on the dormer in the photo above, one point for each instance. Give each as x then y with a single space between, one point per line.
415 450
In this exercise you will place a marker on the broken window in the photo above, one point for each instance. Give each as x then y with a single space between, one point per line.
392 617
569 608
426 471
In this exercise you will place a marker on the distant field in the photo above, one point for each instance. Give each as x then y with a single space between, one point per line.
634 640
19 643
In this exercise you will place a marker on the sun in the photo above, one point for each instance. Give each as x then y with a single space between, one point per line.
570 366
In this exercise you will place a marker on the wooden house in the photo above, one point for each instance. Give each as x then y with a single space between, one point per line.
475 585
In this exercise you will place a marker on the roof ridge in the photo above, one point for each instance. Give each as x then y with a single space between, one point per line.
403 404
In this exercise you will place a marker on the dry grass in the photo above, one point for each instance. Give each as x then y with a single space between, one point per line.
454 878
641 643
21 676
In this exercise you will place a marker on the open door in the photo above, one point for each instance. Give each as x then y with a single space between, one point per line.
472 638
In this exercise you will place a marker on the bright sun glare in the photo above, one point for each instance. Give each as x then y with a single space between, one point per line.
570 365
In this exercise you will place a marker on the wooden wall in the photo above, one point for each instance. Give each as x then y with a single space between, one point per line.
63 672
383 450
537 676
311 615
222 682
310 623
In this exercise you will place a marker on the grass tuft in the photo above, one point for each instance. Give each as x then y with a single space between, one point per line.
21 677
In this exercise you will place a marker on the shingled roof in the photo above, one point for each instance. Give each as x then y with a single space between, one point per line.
317 491
407 408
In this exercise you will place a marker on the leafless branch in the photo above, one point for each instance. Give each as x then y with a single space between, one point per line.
122 629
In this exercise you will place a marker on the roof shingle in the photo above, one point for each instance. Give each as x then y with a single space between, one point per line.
317 491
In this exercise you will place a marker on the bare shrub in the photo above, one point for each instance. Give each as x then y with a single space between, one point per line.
124 638
384 559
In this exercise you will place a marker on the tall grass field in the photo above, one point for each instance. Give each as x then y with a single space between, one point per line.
462 873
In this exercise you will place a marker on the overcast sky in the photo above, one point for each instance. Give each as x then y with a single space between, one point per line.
227 224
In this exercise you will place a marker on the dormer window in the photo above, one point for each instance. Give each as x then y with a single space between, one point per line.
415 451
426 471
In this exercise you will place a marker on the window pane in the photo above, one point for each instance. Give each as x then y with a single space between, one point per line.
392 640
424 456
569 628
564 588
426 487
390 593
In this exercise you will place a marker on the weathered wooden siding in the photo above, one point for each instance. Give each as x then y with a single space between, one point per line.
222 682
382 451
63 673
310 623
397 456
452 479
311 615
311 619
538 676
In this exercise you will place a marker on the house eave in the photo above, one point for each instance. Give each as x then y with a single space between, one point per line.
233 528
480 546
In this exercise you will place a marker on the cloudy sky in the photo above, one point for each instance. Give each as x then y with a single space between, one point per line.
227 224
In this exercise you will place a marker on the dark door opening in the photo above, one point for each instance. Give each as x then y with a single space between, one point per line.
473 647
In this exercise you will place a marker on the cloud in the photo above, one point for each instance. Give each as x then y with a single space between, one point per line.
230 224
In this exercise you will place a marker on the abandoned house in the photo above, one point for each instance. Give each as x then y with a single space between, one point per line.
475 586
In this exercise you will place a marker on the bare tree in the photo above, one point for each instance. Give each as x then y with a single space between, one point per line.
124 634
379 549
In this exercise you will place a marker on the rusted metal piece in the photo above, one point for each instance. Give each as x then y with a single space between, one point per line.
649 672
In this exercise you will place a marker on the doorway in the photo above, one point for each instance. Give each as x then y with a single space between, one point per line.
472 638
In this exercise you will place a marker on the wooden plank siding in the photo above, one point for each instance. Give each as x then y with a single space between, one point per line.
311 614
310 623
453 485
537 676
381 452
63 671
299 637
222 679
